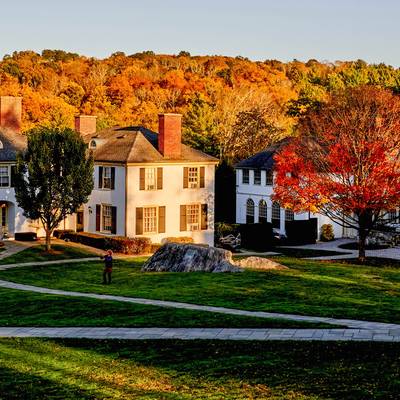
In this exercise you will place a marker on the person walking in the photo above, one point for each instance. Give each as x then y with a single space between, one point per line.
108 264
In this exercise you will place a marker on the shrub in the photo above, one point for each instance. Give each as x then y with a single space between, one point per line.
224 229
155 247
119 244
59 233
178 239
125 245
327 233
25 236
301 232
257 237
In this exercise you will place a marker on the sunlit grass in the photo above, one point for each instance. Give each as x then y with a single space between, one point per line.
308 287
85 369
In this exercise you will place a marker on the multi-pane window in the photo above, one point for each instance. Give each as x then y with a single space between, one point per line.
4 177
193 177
106 177
245 176
392 215
250 211
257 177
106 211
149 219
269 179
289 215
276 215
193 217
150 178
262 211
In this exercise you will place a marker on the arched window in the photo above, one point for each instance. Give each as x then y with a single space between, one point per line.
276 215
262 211
250 211
92 144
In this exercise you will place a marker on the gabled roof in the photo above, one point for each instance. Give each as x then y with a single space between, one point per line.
264 159
137 144
12 142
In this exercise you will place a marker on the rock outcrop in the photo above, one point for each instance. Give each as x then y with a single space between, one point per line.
259 263
174 257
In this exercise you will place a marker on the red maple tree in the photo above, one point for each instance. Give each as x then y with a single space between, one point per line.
345 162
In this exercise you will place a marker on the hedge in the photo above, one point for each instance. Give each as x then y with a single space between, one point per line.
25 236
119 244
301 232
257 237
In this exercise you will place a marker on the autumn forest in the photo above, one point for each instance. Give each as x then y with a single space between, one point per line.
232 107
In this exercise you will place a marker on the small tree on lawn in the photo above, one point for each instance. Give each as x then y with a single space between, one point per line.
54 177
345 163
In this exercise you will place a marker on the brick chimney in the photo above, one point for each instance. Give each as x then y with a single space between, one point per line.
10 113
170 135
85 124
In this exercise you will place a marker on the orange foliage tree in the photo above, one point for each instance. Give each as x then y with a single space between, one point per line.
345 163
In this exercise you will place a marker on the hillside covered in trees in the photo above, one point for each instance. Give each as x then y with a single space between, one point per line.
232 107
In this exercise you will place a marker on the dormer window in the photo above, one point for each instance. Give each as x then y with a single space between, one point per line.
92 144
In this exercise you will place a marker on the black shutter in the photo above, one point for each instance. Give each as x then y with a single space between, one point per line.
185 177
100 177
112 178
98 216
142 173
114 220
204 217
139 221
13 173
202 176
183 225
161 219
159 178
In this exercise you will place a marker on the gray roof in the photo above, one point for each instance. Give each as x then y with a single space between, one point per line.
264 159
137 144
13 142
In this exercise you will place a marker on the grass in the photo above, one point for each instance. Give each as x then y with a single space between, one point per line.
34 309
38 253
330 289
103 369
304 253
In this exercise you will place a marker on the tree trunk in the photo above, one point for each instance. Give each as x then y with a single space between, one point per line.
48 240
361 245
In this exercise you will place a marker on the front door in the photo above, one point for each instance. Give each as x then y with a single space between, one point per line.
3 219
79 221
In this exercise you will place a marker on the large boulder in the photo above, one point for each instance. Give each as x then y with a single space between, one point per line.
259 263
174 257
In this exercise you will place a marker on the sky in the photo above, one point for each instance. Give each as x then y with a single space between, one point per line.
326 30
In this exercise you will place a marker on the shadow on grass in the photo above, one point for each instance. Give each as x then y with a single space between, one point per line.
198 369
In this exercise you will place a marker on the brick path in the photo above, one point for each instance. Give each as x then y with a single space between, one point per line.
380 335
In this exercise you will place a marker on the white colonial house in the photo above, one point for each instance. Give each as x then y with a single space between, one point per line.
145 184
254 190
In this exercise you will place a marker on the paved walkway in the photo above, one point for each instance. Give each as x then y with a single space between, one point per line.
355 324
32 263
392 252
12 247
205 333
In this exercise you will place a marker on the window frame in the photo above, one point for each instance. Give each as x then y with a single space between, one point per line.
104 177
197 207
258 180
262 206
193 184
8 176
250 215
247 180
102 216
269 178
147 178
154 223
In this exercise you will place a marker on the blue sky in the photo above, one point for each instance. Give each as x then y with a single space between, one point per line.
280 29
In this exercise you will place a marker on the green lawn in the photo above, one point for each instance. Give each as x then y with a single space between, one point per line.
308 287
181 370
34 309
38 253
